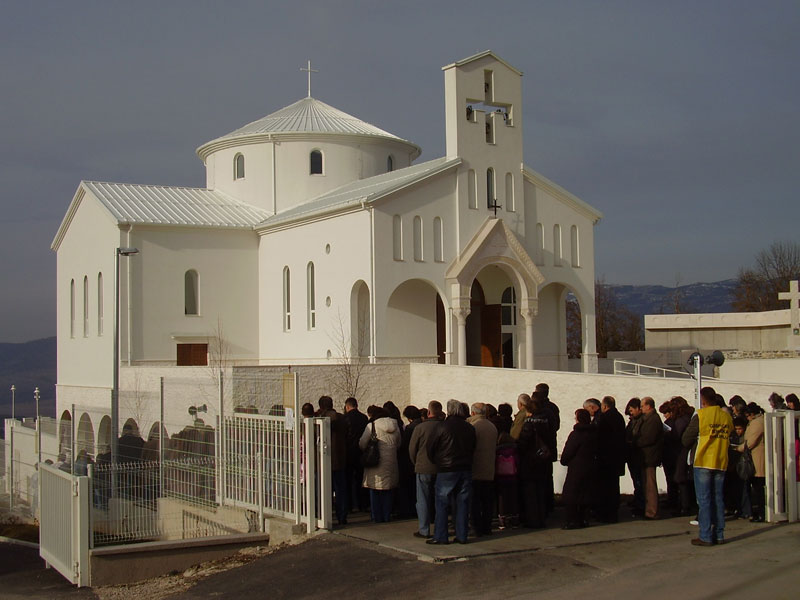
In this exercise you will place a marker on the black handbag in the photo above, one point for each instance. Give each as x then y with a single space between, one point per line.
745 468
371 455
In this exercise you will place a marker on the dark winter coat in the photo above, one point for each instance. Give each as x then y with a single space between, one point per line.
452 445
356 423
580 458
681 472
531 465
610 442
338 439
650 439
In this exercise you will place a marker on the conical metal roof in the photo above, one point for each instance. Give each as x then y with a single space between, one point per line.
309 115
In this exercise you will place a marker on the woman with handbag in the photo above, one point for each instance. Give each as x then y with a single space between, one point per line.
754 442
379 444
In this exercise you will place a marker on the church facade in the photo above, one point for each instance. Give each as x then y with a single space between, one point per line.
317 237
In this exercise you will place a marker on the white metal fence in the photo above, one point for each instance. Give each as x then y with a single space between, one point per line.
782 485
63 531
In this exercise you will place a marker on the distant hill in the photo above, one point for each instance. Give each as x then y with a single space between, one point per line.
694 298
27 366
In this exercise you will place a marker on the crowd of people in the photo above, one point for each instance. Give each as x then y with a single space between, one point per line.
480 466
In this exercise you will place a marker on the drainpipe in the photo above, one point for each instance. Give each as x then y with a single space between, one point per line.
274 183
128 295
372 343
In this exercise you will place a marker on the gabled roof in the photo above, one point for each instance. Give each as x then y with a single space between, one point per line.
363 191
306 116
562 195
162 205
478 56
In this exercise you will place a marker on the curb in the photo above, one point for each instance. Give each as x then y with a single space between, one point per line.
9 540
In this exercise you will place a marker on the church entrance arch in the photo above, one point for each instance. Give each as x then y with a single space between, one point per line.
491 328
415 322
85 439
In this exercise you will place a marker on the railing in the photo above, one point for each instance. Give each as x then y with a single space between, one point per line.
624 367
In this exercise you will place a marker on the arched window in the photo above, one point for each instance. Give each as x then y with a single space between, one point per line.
509 306
85 306
238 166
510 204
472 187
575 246
287 300
100 307
312 303
389 164
438 240
316 162
539 244
72 308
490 187
397 235
557 252
418 238
191 293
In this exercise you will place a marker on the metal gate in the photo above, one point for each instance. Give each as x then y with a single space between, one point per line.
64 524
783 488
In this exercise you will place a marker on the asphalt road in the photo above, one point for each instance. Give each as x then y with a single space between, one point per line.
762 563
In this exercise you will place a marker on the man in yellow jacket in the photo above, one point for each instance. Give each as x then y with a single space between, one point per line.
710 429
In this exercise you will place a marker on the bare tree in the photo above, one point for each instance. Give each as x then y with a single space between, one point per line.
758 287
347 378
136 401
675 302
617 327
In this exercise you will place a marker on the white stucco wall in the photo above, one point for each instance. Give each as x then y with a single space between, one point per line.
87 249
226 263
335 272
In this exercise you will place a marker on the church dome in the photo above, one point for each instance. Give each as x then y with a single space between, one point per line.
308 116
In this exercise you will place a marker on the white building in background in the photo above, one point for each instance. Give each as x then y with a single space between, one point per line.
316 235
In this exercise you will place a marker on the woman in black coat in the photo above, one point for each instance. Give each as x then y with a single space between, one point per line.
535 461
580 458
682 476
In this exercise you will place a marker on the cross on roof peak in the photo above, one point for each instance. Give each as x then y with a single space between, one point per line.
309 70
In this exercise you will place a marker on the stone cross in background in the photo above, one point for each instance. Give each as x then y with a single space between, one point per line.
793 296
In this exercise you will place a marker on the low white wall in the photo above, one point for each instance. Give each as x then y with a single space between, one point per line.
786 370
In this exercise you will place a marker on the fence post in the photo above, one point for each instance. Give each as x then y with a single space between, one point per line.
80 530
326 482
790 427
296 450
161 439
310 475
260 483
219 442
11 466
72 442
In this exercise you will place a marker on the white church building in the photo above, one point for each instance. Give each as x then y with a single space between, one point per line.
317 234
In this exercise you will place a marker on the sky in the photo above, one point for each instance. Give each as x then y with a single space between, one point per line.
677 120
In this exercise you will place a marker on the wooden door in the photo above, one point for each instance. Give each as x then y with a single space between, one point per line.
491 342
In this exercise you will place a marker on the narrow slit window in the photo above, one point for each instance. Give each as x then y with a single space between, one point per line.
312 302
389 164
100 307
557 252
316 162
238 166
438 240
397 237
472 188
510 203
575 246
490 188
418 239
287 300
72 308
85 306
539 244
191 289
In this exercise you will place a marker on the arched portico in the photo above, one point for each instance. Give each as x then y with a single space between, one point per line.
416 317
495 254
